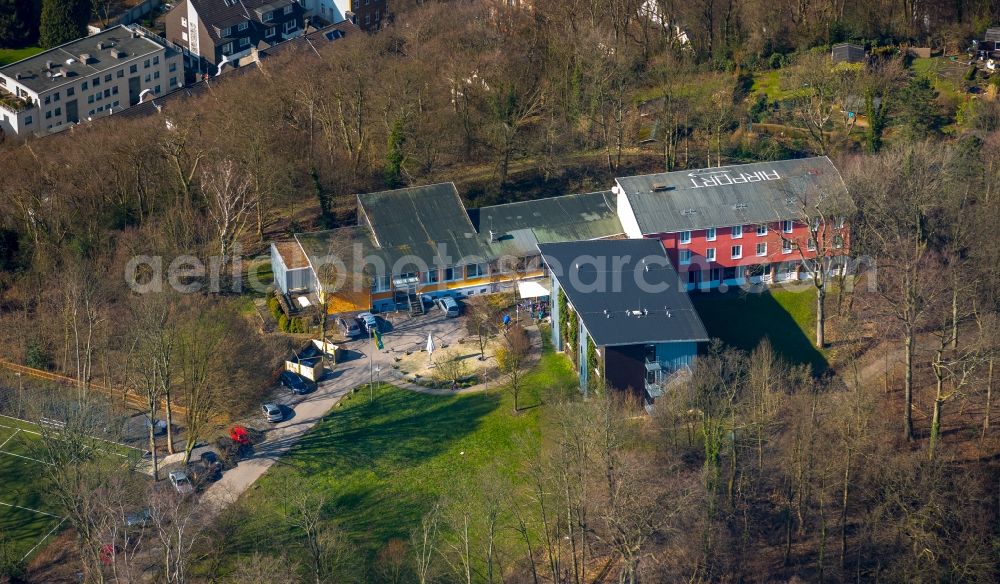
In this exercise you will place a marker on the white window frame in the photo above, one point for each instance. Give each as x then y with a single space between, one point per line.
710 254
454 274
786 246
268 16
270 32
684 257
227 31
184 36
787 225
762 249
761 229
736 231
736 252
227 49
287 9
242 26
436 273
184 21
244 42
811 246
685 237
710 234
291 26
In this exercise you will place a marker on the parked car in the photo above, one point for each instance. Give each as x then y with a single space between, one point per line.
369 320
449 306
182 484
296 383
351 328
272 412
206 469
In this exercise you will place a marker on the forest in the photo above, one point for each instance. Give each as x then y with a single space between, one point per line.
882 467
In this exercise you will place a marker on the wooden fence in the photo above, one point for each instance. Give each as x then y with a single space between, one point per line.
127 398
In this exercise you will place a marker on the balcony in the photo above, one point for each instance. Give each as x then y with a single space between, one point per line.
14 104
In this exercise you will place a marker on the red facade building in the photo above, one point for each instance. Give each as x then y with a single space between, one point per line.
752 223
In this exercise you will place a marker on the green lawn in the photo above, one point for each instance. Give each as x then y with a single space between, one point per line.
786 317
8 56
23 517
382 465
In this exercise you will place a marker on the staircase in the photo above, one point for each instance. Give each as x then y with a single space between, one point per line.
416 304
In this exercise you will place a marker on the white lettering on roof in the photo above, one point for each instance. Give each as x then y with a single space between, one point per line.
727 178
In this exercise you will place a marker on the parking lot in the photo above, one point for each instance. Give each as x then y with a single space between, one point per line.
400 333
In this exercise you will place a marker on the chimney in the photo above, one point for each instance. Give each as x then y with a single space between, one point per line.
84 58
17 76
100 45
48 64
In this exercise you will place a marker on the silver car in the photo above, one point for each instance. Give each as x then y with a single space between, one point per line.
272 412
182 484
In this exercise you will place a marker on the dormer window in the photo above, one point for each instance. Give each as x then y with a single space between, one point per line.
268 16
227 31
288 9
242 26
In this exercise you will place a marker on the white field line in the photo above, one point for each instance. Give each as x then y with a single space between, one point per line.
51 531
29 509
25 457
21 429
141 451
16 430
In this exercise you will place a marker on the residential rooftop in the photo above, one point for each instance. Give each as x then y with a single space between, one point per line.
742 194
625 291
563 218
68 63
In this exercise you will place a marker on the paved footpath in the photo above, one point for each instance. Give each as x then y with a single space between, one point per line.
405 334
283 435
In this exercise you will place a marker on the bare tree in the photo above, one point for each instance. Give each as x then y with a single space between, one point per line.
825 217
423 543
512 356
178 523
482 320
229 194
894 192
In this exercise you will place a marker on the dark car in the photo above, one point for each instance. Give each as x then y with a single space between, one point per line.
296 383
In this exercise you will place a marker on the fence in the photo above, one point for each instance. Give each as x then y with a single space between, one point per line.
126 398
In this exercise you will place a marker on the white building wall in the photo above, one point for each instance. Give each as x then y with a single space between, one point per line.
625 213
163 74
333 11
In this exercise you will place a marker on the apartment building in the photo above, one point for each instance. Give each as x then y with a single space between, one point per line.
221 32
89 77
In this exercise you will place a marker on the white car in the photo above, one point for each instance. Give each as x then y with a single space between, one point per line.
272 412
182 484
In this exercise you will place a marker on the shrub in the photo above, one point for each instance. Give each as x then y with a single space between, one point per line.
37 357
274 307
283 323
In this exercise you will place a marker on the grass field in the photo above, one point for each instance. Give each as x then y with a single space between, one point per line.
382 465
25 518
786 317
8 56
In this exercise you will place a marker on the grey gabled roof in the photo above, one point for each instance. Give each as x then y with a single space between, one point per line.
848 52
563 218
625 291
743 194
418 221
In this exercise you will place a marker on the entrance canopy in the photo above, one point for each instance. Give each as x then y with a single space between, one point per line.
531 289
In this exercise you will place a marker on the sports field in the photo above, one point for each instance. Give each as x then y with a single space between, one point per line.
24 516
